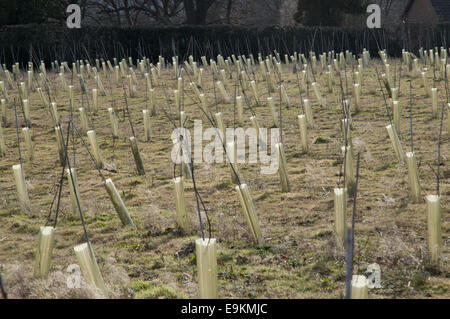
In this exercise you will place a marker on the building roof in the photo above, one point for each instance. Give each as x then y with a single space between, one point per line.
442 8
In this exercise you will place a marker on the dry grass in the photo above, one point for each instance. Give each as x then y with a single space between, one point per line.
300 260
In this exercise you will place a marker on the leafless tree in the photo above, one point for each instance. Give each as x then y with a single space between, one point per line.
161 10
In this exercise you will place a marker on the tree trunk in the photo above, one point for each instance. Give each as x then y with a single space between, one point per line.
190 11
197 10
229 8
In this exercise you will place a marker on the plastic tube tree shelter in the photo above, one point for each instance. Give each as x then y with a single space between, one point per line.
4 111
28 142
360 288
434 210
391 129
232 157
223 92
309 113
83 120
180 202
206 255
349 169
448 120
282 168
26 112
249 212
434 228
273 111
89 267
44 252
413 178
21 187
114 123
340 212
357 94
95 149
396 144
303 132
2 143
118 203
95 101
434 102
147 130
54 112
396 112
137 156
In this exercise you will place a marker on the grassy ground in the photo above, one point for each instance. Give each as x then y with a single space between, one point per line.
300 259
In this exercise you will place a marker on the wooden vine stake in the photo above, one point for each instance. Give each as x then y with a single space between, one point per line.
413 178
396 143
360 289
282 169
89 267
95 149
118 203
434 227
73 180
21 186
180 202
206 253
340 212
137 156
303 132
44 252
250 213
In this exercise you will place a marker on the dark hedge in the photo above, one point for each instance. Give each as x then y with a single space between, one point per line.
49 42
